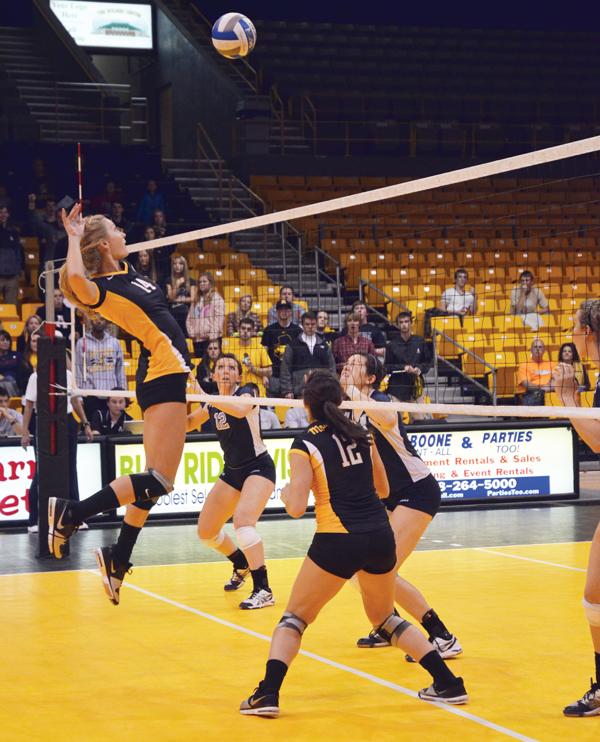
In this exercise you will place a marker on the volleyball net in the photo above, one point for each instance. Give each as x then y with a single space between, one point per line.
486 260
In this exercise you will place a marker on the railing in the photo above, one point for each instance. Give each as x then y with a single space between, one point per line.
413 138
109 112
463 350
320 272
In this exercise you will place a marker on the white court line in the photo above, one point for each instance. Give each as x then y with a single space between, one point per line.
332 663
281 559
529 559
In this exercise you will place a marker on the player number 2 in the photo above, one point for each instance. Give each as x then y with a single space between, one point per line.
350 456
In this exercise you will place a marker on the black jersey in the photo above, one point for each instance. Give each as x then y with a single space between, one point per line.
139 307
239 436
402 463
345 497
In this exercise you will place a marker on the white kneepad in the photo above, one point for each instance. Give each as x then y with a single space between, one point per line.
247 536
215 541
592 612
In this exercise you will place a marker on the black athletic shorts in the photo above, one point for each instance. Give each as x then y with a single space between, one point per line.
345 554
262 466
424 495
168 388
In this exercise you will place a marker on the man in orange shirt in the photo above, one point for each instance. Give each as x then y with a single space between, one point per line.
534 377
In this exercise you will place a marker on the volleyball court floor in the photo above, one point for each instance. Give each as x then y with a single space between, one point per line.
174 660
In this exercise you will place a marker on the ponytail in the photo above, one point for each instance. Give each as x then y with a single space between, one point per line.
323 396
65 286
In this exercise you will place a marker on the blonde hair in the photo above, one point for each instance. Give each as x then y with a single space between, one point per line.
186 273
94 232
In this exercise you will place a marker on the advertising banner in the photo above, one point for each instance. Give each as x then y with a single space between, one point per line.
17 467
111 25
499 463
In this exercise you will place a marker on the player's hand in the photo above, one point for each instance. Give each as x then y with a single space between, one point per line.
564 383
25 439
73 221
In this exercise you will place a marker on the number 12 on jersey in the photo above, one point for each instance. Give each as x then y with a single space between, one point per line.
350 456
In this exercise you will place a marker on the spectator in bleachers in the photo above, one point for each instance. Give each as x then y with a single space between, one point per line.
46 226
323 326
206 317
206 367
162 255
10 363
11 421
32 323
268 419
62 316
295 418
247 348
458 300
568 354
306 352
151 200
407 359
28 361
286 293
367 329
102 202
276 337
244 311
117 214
98 362
12 259
528 302
111 418
180 290
534 377
351 342
143 263
39 182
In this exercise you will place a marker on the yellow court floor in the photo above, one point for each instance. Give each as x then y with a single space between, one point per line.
173 661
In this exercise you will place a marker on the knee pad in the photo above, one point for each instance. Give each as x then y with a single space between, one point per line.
149 486
145 504
292 621
215 541
393 627
592 612
247 536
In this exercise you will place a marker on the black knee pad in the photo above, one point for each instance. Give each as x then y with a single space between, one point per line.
393 627
148 487
292 621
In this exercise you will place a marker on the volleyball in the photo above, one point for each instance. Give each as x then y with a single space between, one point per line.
233 35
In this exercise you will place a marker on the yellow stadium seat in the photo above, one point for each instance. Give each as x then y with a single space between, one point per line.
505 365
8 312
13 327
474 366
478 323
233 292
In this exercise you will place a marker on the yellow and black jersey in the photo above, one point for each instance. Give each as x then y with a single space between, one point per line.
139 307
402 463
345 497
239 437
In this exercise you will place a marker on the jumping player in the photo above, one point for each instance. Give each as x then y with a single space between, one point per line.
244 487
95 277
413 501
586 336
333 459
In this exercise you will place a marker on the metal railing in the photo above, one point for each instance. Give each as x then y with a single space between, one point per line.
437 358
106 111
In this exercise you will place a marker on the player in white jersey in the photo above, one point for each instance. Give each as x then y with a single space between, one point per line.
244 487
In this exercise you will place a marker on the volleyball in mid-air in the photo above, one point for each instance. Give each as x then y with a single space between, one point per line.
233 35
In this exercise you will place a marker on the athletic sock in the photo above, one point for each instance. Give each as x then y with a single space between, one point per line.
239 559
274 675
442 676
434 626
125 543
103 500
597 656
260 578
